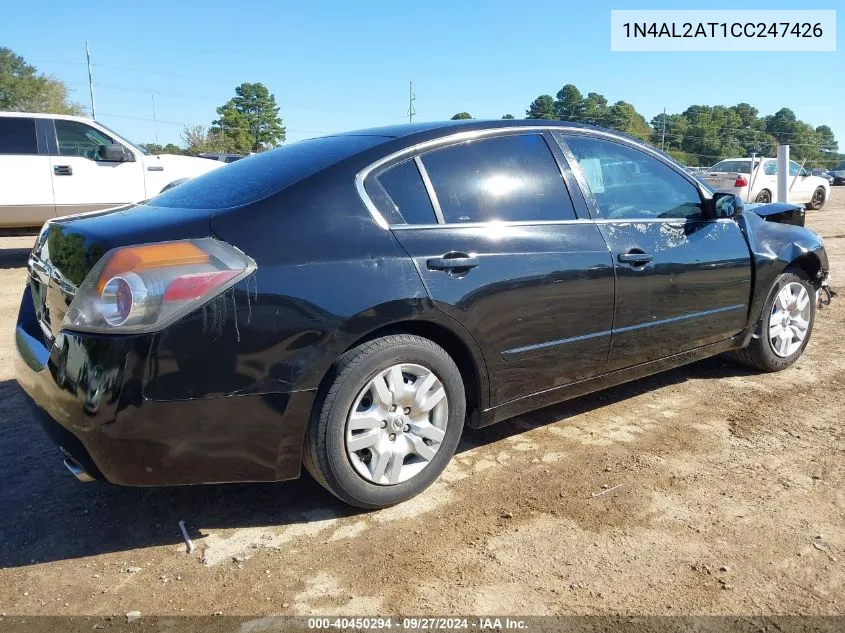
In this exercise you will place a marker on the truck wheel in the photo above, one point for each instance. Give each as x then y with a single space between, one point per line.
388 423
818 199
785 326
764 197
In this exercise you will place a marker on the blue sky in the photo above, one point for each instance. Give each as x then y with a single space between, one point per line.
337 65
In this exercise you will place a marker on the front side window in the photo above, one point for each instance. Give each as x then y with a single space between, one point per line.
79 139
629 184
404 186
794 168
17 136
509 178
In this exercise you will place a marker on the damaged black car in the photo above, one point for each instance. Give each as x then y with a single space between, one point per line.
350 303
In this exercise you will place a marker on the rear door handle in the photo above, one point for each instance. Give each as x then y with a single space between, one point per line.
63 170
634 258
452 262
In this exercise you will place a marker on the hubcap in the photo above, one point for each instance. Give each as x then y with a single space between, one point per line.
397 424
818 197
789 320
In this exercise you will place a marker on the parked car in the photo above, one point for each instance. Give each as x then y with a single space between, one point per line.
821 173
735 175
54 165
351 302
839 178
223 158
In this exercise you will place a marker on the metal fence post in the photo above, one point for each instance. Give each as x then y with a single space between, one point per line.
783 173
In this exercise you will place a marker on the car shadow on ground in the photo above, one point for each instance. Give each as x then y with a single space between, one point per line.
14 257
48 515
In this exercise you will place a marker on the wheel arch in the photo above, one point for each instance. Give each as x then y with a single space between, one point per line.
810 264
759 193
466 355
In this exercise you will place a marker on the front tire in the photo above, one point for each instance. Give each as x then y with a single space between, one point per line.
388 422
818 199
785 326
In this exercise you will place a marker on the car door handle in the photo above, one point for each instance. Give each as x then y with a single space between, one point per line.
63 170
451 262
634 258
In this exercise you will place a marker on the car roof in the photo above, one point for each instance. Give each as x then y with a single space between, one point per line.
402 130
45 115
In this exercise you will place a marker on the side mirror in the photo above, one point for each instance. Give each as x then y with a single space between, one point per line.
114 153
725 205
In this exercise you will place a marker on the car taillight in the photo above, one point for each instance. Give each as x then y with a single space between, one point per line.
146 287
740 181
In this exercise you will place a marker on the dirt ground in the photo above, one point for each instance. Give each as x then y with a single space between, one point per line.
722 492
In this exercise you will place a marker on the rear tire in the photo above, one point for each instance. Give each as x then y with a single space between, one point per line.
766 351
764 197
818 199
405 441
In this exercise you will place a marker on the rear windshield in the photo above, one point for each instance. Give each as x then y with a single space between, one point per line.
262 175
733 166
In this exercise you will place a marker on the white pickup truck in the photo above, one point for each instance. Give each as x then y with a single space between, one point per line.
53 165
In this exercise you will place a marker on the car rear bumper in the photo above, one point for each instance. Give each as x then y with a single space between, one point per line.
87 392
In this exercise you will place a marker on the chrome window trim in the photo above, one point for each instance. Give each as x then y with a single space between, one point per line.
432 194
471 135
504 223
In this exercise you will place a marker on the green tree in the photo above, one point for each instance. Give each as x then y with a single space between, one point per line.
594 109
461 115
155 148
569 104
509 117
250 119
829 146
624 117
22 89
543 107
200 140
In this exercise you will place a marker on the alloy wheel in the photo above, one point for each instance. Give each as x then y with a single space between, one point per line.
397 424
789 320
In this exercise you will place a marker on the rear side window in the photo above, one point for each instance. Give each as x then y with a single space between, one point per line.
509 178
257 177
404 186
770 168
17 136
733 166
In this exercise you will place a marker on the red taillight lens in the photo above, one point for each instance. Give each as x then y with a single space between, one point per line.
741 181
190 287
144 288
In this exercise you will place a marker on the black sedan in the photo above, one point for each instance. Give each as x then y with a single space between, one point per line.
839 178
351 302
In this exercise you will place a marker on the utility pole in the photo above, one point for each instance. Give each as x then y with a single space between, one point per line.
411 99
155 119
90 81
663 135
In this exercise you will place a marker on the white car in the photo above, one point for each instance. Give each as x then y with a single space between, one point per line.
735 175
53 165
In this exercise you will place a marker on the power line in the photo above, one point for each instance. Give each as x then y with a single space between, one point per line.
285 105
188 124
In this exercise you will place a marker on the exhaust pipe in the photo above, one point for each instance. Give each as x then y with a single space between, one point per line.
76 470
